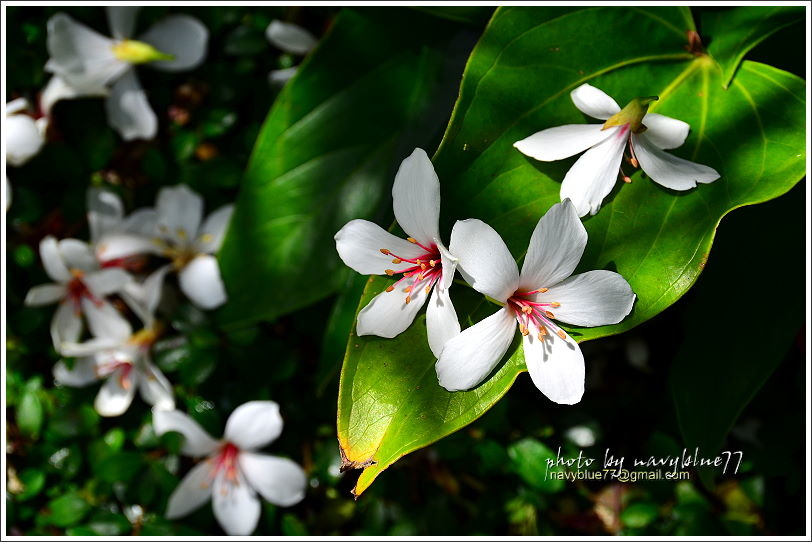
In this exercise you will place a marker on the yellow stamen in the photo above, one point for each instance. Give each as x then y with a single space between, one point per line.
389 272
523 329
412 240
390 288
397 260
138 52
548 314
432 262
561 334
385 251
555 304
408 299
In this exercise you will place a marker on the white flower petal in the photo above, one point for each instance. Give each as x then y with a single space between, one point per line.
81 374
201 282
665 132
44 294
116 394
254 424
556 247
107 281
442 323
483 259
359 245
388 315
197 442
470 356
594 102
78 255
143 298
180 211
122 20
182 36
280 481
592 176
59 89
213 230
23 139
6 193
278 78
83 57
52 260
104 320
128 109
594 298
123 245
416 198
66 325
556 367
193 491
155 389
142 221
102 347
449 262
290 38
16 105
668 170
105 211
562 141
235 504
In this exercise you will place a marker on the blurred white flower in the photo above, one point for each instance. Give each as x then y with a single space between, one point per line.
180 234
87 62
80 288
233 472
593 175
292 39
545 284
24 135
422 259
122 358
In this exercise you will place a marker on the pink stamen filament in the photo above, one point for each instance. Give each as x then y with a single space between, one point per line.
226 461
425 271
533 313
77 289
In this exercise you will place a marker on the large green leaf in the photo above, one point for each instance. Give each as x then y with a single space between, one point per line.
380 83
713 379
731 33
517 82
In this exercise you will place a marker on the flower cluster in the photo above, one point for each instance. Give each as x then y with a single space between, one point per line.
100 286
545 291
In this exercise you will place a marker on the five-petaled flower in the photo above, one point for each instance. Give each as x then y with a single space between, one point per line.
544 291
179 233
121 357
87 63
422 260
233 472
80 288
593 175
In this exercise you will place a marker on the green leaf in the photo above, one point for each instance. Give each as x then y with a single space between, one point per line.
119 467
712 381
326 153
529 459
67 510
732 33
30 413
517 82
33 480
639 514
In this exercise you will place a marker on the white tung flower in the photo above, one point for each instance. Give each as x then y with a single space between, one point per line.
24 135
292 39
87 62
233 472
180 234
554 360
80 288
122 358
421 259
593 175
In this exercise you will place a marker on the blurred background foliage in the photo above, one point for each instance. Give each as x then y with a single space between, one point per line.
70 471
